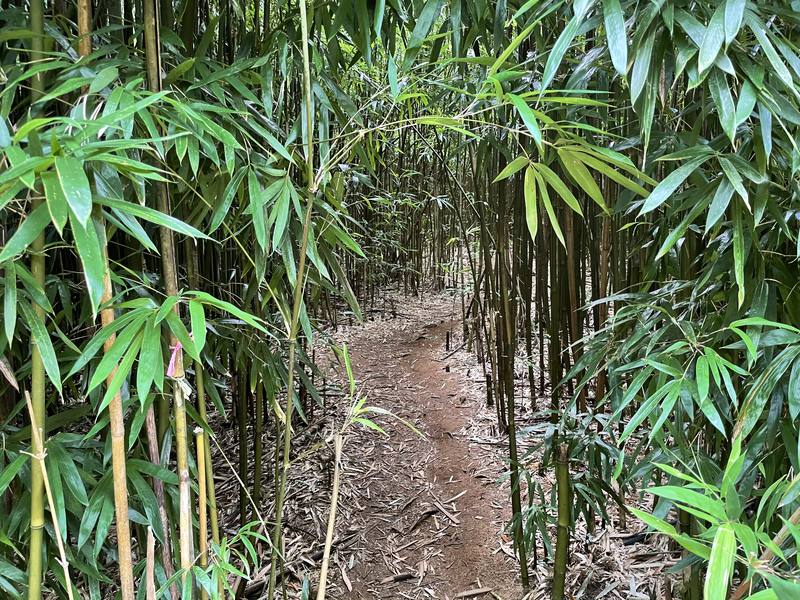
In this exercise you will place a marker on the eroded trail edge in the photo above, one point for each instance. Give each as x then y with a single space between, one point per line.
424 515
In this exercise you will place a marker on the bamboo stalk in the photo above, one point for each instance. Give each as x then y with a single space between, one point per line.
296 302
118 450
38 456
202 533
115 411
562 534
338 444
170 276
38 410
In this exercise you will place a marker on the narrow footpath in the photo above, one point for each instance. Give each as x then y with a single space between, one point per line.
425 513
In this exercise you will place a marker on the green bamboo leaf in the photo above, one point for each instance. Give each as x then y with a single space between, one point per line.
759 31
229 308
723 99
531 214
614 22
69 471
57 493
198 320
179 329
671 183
761 390
518 39
528 118
734 13
123 370
614 175
720 565
41 338
10 471
735 180
92 258
641 67
701 374
257 208
719 204
548 207
422 27
563 43
793 392
103 79
747 102
680 230
709 506
153 216
75 186
112 355
713 38
691 545
151 360
28 230
511 168
9 301
394 86
578 171
738 255
560 187
56 201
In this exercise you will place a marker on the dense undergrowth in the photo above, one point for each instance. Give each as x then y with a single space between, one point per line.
189 189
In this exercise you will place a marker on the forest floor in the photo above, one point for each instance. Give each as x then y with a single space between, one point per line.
430 503
422 514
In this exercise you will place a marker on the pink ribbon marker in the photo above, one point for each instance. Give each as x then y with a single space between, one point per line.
171 368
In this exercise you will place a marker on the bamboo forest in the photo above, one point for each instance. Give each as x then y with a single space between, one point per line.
405 299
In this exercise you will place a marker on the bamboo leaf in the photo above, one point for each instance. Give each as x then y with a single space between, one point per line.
528 118
548 207
9 301
75 186
563 43
92 258
713 38
614 22
531 214
671 183
511 168
41 338
198 320
28 230
720 565
720 202
734 13
560 187
738 255
723 99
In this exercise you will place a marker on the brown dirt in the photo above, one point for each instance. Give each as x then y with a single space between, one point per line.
430 507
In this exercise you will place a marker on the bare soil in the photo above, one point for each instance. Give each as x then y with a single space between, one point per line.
431 502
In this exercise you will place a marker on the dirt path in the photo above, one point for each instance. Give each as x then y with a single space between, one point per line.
430 510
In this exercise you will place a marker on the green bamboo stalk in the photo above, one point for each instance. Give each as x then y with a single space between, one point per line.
115 412
562 534
38 457
297 301
338 444
202 533
38 411
170 276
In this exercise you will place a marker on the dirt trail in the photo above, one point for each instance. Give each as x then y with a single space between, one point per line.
430 510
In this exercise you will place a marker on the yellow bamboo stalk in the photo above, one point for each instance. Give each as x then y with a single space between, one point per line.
338 443
202 532
38 412
38 456
170 275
